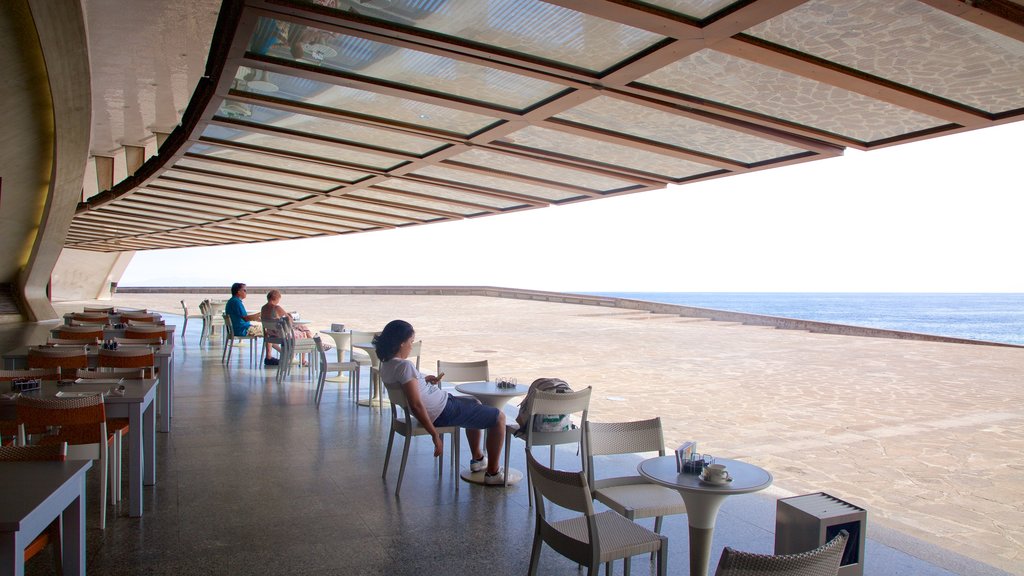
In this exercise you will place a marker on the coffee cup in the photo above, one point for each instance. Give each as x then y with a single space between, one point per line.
716 473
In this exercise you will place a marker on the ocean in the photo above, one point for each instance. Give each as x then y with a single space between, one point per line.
995 317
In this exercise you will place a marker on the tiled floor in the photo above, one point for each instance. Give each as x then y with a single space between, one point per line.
253 479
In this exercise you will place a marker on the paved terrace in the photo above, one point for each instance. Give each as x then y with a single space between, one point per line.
927 436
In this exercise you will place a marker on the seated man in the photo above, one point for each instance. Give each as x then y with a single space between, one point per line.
240 319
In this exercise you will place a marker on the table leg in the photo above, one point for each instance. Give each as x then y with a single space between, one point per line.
149 445
164 390
135 462
72 541
701 512
12 556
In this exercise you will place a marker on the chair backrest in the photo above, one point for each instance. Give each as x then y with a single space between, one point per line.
52 374
49 452
91 318
607 438
822 561
130 373
143 323
227 325
141 318
80 332
561 402
464 371
97 309
184 308
81 420
566 489
149 331
134 357
51 341
63 357
150 341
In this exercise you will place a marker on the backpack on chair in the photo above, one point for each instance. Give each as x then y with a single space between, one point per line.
543 422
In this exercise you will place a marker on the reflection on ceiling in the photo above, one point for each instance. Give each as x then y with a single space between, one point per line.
323 117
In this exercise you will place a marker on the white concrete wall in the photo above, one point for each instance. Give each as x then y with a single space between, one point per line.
85 275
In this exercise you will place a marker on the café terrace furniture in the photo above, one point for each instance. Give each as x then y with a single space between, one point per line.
50 535
18 358
822 561
51 341
89 333
491 394
81 422
342 344
591 539
186 316
230 338
541 403
32 496
150 331
376 394
406 425
9 426
212 318
357 352
271 335
458 372
632 496
138 404
324 367
703 500
292 348
66 358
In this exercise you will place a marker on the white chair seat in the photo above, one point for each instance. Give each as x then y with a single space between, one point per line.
619 537
639 499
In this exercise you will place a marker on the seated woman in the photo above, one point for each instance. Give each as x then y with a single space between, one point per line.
433 407
272 310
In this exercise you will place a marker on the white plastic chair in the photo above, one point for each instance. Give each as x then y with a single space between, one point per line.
405 424
632 495
323 367
229 341
551 403
822 561
459 372
186 316
591 539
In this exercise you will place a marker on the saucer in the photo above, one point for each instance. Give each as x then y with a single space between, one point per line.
714 482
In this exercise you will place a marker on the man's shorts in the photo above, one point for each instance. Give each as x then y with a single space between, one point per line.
467 412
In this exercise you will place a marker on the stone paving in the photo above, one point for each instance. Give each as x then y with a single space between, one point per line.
929 437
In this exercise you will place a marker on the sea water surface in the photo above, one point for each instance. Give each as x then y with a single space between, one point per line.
995 317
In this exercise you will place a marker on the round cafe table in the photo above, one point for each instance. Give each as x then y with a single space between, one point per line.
703 500
342 342
489 393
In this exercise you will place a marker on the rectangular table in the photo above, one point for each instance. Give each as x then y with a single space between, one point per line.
137 404
164 355
33 494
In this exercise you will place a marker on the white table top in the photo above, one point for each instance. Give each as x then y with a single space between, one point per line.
745 477
25 485
491 389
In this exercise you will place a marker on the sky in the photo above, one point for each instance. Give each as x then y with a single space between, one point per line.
943 215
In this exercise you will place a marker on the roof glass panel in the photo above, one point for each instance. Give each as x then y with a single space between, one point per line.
296 146
355 134
314 216
605 152
169 208
279 191
227 196
495 182
399 65
188 203
160 218
542 170
698 9
232 203
279 163
454 194
680 131
253 174
525 26
383 195
748 85
351 207
360 102
337 220
911 43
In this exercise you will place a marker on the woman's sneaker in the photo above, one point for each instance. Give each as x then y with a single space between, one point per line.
478 465
496 479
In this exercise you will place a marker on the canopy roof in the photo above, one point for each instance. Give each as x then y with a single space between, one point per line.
331 117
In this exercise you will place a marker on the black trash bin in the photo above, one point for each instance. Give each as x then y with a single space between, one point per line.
805 522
